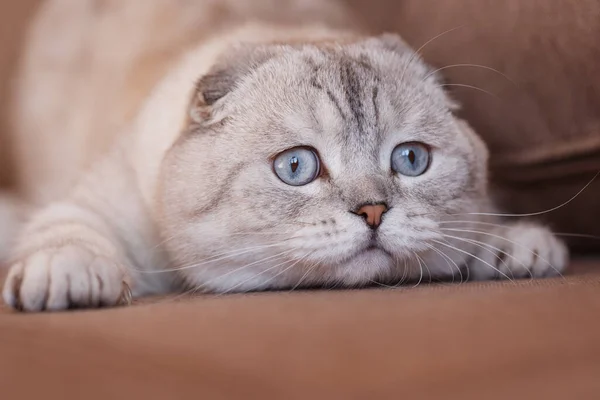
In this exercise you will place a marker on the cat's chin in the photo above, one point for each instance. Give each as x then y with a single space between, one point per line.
367 265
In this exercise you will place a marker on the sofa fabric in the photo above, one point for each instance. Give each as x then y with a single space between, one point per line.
522 340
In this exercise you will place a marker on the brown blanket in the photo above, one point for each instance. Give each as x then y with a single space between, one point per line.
527 340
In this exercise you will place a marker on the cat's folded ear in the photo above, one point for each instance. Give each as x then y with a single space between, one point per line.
228 72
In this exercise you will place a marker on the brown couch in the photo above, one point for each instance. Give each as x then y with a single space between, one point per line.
521 340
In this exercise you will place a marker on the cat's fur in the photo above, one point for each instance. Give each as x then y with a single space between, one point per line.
147 133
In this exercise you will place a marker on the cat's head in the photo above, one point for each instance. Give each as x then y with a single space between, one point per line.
318 163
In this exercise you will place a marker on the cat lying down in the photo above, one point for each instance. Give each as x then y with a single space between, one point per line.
265 154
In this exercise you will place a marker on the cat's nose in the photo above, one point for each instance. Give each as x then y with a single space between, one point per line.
372 213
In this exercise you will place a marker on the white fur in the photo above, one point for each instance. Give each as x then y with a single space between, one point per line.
178 202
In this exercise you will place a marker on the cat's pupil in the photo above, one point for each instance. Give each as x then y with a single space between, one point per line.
412 157
294 163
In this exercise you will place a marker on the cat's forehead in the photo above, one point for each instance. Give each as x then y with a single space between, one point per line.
354 95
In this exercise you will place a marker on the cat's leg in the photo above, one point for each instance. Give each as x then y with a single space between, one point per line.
94 248
517 250
66 257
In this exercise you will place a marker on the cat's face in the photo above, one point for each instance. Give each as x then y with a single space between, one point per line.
311 165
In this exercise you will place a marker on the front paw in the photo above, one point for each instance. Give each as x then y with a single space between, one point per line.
65 276
520 251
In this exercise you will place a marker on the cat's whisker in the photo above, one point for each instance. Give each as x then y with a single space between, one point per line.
421 270
288 268
217 257
578 235
488 247
207 283
404 274
246 266
263 272
505 239
306 274
426 267
463 85
472 66
474 222
418 51
535 214
448 260
475 257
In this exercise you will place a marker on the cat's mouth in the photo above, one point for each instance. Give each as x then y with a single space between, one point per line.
374 246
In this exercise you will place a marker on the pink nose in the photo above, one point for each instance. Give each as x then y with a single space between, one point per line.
372 214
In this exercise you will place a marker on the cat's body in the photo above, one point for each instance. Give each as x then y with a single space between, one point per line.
153 137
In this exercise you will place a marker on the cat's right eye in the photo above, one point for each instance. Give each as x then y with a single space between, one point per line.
411 159
298 166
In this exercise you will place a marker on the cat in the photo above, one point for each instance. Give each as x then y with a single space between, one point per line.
234 146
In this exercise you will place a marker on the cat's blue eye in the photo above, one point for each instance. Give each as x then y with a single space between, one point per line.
411 159
297 167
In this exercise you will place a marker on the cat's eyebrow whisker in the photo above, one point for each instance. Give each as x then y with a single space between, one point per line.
475 257
418 51
505 239
463 85
473 66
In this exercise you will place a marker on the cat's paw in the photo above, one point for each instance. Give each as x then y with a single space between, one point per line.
65 276
520 251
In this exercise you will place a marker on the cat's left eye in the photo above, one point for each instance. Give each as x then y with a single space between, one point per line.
411 159
298 166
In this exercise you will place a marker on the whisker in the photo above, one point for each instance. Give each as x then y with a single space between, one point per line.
505 239
259 274
288 268
306 274
274 257
577 235
218 257
475 257
474 66
421 269
534 214
470 87
448 260
474 222
565 234
426 267
483 245
416 53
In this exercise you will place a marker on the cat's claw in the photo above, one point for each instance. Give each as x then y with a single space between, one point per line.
69 276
